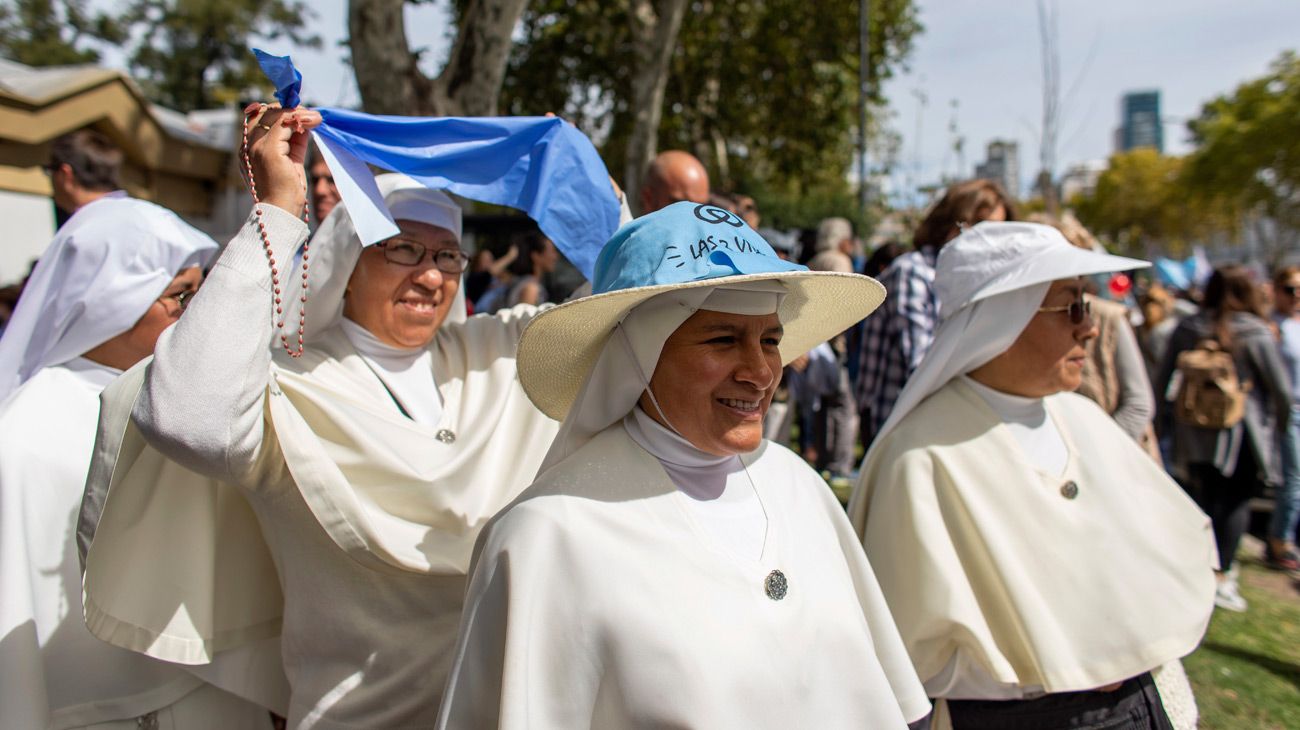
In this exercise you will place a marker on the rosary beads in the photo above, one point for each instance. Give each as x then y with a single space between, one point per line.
270 256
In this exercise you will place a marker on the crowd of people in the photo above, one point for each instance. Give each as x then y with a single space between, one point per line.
399 486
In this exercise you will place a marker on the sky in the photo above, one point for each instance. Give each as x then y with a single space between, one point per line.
985 55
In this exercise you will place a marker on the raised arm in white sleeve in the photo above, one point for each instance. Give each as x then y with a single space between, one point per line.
203 398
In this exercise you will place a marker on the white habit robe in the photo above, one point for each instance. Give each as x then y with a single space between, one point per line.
598 601
1048 582
53 672
293 498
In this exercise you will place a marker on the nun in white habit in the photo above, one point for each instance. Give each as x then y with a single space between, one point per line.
114 277
1039 563
330 500
668 567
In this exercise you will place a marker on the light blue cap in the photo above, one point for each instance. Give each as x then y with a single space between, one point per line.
684 242
684 246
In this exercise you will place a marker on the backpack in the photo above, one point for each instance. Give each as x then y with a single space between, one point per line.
1210 395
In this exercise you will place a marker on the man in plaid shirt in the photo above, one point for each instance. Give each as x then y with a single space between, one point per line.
897 336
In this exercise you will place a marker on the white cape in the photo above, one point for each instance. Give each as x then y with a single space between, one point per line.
53 672
597 601
1067 583
388 491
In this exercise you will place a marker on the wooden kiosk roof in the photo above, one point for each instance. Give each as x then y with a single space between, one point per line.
172 159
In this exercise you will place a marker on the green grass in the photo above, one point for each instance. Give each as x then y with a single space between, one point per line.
1247 672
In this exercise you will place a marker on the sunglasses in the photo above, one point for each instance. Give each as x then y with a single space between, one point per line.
1078 310
1291 291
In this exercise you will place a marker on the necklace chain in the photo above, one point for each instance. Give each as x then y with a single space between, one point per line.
270 255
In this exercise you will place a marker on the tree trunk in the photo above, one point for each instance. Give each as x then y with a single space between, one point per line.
388 78
654 33
388 74
471 83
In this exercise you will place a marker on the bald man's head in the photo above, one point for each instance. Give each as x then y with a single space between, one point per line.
674 176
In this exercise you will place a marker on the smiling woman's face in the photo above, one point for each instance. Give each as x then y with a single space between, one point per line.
715 379
1048 355
403 305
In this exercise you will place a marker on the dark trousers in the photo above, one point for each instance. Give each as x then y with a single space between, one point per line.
1226 500
835 429
1134 706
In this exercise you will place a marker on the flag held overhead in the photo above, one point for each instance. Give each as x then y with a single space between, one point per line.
543 166
287 79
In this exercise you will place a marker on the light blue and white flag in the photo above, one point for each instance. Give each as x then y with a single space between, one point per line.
543 166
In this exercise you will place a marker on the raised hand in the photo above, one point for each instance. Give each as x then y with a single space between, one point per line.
277 151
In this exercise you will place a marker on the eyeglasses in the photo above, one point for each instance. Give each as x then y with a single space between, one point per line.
1291 290
182 298
1078 310
402 252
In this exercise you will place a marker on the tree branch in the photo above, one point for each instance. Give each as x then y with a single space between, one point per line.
654 34
471 82
388 78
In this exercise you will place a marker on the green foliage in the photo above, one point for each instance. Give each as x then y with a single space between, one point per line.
194 54
1248 148
46 33
574 60
1141 200
1029 206
785 206
763 91
1132 201
187 54
1246 166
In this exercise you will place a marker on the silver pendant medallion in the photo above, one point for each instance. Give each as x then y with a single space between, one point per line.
775 585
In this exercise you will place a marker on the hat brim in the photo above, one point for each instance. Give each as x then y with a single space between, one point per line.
1066 262
560 346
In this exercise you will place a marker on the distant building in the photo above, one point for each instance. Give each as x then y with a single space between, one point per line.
893 227
1081 179
184 162
1140 121
1003 165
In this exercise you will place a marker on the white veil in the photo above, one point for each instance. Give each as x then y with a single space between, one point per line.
335 248
108 263
990 281
627 361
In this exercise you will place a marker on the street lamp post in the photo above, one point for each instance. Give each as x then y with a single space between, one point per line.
864 70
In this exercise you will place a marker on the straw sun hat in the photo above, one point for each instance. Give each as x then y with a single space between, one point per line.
683 246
